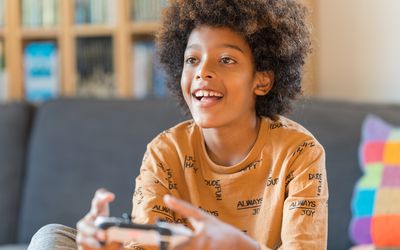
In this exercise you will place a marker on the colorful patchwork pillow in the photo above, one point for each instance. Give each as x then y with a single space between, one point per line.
376 198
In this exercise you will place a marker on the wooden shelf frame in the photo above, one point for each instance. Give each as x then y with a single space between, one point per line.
40 33
13 50
93 30
145 28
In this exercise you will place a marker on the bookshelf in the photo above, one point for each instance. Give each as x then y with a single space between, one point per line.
67 32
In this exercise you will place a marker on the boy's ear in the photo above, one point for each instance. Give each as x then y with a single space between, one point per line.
264 82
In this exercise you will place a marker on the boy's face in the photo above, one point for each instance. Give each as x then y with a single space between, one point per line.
218 79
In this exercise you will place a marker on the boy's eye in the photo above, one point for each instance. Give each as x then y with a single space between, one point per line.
227 60
190 60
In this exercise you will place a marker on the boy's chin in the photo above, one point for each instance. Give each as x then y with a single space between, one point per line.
205 123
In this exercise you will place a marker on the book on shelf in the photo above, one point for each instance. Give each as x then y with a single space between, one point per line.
41 71
147 10
81 11
50 12
3 82
141 72
3 86
148 78
40 13
159 84
2 12
95 67
95 11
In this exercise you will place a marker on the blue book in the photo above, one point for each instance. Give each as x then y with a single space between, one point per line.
82 14
41 71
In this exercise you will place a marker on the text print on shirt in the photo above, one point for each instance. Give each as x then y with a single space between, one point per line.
217 185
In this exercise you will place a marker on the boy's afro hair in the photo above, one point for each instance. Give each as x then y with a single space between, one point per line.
276 31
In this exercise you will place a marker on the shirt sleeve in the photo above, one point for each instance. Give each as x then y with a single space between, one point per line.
305 214
150 187
155 180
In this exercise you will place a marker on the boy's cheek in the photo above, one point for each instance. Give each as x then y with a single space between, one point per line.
186 95
185 87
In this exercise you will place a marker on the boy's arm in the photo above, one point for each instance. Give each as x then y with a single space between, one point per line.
305 213
153 182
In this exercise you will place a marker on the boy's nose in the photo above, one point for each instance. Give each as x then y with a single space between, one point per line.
205 71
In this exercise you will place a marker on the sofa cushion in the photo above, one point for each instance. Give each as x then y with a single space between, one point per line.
14 131
14 247
337 126
78 146
376 206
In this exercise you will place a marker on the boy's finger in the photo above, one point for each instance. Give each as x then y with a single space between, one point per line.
100 202
184 208
87 241
85 228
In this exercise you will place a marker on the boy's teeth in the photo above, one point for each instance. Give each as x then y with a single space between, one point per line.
205 93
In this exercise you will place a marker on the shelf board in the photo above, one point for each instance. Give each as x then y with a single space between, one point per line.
90 30
144 28
40 33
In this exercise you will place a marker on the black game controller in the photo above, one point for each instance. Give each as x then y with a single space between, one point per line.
160 234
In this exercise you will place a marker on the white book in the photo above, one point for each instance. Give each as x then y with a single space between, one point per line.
3 86
111 9
32 13
50 12
2 7
26 14
96 11
146 10
139 10
142 70
57 13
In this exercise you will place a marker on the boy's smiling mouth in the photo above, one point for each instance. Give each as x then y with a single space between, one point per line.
205 94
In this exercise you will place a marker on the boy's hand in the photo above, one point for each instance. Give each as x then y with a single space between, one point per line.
89 236
209 232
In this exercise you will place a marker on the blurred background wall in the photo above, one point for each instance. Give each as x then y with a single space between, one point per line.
356 50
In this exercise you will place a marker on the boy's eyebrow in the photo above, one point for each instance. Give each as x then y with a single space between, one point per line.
225 45
232 46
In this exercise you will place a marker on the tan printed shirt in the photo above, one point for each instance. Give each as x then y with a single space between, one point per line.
277 195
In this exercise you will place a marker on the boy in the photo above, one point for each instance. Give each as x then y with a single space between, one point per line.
239 174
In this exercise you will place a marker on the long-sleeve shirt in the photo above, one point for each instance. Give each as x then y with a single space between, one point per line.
277 195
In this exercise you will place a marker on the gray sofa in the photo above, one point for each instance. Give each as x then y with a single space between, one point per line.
54 156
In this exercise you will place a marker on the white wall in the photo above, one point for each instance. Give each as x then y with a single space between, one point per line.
358 50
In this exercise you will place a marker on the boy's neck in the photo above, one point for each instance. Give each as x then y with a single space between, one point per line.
230 145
